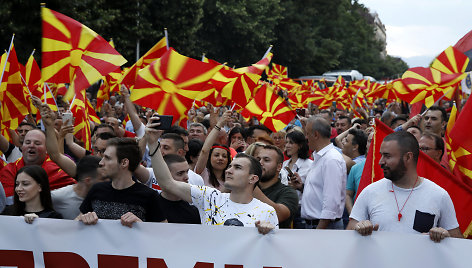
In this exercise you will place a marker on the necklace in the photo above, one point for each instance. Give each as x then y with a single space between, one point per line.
396 201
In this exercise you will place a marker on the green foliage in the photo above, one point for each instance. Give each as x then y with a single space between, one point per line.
309 36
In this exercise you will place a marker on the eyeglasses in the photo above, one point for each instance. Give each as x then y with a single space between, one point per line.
424 149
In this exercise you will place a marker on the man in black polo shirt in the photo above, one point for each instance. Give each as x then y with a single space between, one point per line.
122 198
175 209
282 198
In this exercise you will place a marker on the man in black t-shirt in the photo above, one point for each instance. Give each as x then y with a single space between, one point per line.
175 209
122 198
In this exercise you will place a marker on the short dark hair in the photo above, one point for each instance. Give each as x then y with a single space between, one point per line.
103 126
41 177
27 124
398 118
87 167
359 121
300 139
320 125
234 131
345 117
106 136
176 139
359 138
177 130
326 112
406 142
442 110
194 148
127 148
438 141
254 167
250 130
417 127
173 158
280 154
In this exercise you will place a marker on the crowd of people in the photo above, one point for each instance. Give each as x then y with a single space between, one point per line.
222 170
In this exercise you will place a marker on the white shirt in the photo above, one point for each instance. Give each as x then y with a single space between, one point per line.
193 178
66 201
216 208
428 206
301 166
325 186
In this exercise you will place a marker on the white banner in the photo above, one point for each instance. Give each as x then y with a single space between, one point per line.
62 243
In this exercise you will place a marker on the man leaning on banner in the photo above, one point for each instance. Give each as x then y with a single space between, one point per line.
404 201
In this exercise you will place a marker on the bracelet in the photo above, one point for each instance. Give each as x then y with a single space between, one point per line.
157 148
217 127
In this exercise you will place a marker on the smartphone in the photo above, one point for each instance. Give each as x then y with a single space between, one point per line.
290 173
301 112
67 116
165 120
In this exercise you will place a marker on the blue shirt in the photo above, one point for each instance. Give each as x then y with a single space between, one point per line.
355 177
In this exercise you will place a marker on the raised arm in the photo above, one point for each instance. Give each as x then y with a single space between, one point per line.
340 137
209 141
133 114
159 166
52 146
76 149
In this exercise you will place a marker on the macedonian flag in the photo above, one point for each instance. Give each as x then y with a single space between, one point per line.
73 53
269 108
170 84
428 85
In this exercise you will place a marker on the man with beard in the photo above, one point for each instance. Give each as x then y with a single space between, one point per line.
282 198
403 201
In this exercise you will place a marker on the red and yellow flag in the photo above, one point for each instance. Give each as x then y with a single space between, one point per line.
129 78
14 103
459 143
278 71
451 61
81 123
170 84
269 108
32 76
257 68
428 85
73 53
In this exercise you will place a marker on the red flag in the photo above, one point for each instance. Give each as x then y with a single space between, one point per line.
14 103
460 193
464 45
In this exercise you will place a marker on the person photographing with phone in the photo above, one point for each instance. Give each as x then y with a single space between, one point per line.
238 208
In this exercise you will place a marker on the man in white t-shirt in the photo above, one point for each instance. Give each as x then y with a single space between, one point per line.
238 208
403 201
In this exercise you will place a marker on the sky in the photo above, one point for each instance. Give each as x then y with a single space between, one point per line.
418 30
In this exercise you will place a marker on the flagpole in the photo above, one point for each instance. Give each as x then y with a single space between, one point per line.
167 38
6 60
267 52
49 89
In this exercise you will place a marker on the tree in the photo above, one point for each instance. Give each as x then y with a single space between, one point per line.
238 32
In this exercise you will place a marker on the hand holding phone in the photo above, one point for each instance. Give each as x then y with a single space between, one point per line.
68 117
164 120
290 173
